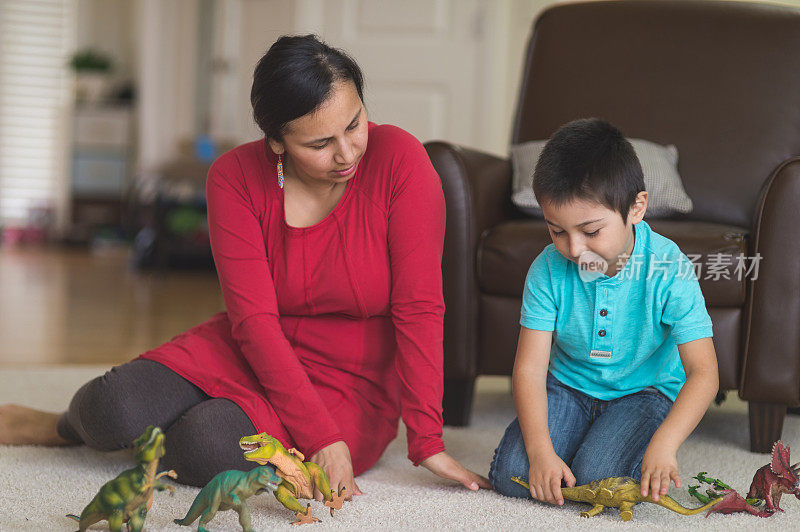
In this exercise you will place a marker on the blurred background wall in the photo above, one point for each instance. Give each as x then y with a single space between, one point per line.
180 69
111 112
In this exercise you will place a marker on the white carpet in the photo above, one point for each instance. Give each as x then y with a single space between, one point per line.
38 486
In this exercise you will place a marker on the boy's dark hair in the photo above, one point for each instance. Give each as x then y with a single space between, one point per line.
294 77
589 159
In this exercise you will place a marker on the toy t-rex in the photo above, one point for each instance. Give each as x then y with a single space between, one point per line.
128 497
619 492
299 477
775 479
230 490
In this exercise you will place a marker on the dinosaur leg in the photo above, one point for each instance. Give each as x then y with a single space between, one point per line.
776 501
244 516
288 501
596 509
626 511
285 497
337 499
238 505
115 521
304 518
88 520
204 519
769 506
333 500
319 478
136 520
209 513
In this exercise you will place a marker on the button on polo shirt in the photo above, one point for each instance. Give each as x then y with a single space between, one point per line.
614 336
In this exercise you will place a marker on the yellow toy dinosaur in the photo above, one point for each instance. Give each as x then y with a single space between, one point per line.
299 478
619 492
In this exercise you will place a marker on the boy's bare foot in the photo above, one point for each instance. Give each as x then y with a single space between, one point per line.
20 425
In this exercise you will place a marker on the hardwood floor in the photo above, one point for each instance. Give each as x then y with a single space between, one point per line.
60 306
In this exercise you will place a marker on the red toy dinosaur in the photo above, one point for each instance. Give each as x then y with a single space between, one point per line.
775 479
732 502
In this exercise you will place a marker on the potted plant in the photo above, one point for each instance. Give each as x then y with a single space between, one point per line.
91 74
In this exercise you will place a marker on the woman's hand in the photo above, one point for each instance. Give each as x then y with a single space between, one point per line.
445 466
659 467
335 460
544 477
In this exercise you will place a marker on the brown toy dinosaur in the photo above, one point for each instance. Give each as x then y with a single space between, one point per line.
619 492
775 479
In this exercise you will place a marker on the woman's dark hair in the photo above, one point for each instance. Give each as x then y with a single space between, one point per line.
589 159
294 77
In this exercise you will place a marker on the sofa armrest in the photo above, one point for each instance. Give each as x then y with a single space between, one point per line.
771 365
477 191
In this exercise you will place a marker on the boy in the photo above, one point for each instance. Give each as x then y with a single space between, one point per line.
632 366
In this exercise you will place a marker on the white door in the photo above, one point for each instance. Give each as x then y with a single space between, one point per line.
427 63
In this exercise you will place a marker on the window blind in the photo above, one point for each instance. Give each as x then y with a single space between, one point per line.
35 38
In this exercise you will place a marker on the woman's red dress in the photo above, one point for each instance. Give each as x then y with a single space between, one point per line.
334 331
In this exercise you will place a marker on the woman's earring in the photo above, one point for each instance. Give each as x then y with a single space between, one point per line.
280 170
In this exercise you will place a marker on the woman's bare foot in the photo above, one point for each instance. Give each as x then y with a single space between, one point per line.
20 425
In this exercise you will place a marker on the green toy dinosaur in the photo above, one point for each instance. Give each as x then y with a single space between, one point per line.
230 490
128 497
299 477
716 487
619 492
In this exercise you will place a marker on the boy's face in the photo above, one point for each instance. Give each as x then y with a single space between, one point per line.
582 228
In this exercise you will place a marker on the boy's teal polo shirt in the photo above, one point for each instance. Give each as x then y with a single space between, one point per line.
614 336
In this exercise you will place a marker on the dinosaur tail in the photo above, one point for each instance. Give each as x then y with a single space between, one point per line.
194 512
671 504
75 517
521 482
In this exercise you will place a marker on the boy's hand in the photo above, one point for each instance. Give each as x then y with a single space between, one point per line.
659 466
545 476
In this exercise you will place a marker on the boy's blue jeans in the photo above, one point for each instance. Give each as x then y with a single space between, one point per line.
596 439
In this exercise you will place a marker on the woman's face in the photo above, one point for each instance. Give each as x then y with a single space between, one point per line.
326 145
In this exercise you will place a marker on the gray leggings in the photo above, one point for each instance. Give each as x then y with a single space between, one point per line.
202 433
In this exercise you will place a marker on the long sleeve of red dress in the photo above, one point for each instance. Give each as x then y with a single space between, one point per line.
334 331
240 256
416 239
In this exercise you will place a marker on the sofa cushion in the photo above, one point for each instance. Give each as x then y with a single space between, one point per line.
666 195
506 251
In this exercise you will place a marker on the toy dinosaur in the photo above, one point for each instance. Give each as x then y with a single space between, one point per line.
128 497
230 490
619 492
299 477
775 479
731 502
716 489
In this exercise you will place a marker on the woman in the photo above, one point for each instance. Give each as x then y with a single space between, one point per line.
327 237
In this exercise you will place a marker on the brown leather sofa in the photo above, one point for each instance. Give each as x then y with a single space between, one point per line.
719 80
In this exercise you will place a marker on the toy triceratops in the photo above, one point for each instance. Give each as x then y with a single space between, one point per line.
775 479
769 483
